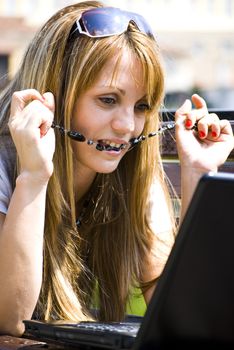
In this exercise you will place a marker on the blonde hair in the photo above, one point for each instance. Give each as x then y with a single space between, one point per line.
115 239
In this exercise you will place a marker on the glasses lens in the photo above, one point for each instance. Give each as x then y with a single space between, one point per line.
104 22
141 23
111 21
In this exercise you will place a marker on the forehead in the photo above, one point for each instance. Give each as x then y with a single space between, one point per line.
122 69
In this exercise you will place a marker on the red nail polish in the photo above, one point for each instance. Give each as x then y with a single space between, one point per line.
188 123
214 134
201 134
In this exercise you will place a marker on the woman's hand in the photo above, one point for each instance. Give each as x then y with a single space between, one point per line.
208 147
203 142
30 126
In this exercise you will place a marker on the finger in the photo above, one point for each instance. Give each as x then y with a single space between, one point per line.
35 117
50 104
49 101
198 101
209 125
185 108
182 112
226 127
196 114
190 116
21 98
38 115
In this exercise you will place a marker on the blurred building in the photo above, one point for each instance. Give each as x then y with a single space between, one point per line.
196 38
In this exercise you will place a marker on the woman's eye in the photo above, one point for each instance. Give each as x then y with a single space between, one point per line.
143 107
107 100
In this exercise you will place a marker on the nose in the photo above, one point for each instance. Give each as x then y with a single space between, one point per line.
124 122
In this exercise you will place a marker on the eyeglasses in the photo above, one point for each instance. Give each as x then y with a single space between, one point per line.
77 136
107 21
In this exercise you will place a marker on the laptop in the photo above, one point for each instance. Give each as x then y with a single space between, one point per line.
193 304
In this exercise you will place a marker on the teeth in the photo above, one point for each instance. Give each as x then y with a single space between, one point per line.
112 144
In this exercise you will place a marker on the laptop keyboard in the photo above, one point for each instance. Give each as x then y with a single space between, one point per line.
129 328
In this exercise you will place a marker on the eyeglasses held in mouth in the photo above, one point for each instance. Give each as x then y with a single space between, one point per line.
107 21
77 136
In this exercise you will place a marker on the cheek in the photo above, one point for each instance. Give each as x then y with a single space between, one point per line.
80 119
140 124
82 151
83 124
87 123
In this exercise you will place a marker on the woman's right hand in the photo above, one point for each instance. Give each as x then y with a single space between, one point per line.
30 126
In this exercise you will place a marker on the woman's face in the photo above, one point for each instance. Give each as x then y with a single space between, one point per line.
109 113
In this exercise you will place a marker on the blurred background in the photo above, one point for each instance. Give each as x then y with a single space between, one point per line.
196 38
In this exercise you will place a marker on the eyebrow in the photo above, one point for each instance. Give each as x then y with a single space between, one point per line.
123 92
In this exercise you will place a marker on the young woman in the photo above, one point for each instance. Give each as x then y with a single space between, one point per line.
86 221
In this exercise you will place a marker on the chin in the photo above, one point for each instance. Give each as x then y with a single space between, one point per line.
103 165
106 168
106 171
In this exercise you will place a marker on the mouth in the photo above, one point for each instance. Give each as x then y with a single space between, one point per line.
108 145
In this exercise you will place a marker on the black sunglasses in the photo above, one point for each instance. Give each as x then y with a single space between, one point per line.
107 21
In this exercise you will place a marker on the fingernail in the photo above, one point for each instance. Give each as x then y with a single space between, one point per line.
214 134
201 134
188 123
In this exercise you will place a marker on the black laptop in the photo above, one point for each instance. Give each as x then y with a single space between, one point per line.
193 304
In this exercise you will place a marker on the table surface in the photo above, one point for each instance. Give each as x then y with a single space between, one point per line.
13 343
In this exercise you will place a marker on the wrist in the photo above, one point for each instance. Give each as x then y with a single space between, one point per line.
32 179
190 177
195 173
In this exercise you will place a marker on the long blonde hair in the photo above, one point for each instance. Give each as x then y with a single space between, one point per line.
110 249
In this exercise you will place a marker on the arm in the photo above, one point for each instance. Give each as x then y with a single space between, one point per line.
156 261
160 222
199 153
21 230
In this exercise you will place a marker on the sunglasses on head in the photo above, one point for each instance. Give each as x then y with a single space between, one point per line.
107 21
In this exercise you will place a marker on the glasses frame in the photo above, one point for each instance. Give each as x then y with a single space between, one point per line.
77 136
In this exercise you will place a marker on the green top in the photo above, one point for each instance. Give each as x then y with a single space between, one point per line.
135 306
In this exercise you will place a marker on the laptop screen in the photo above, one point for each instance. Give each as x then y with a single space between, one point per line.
194 300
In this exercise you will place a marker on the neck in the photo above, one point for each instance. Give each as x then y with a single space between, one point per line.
83 179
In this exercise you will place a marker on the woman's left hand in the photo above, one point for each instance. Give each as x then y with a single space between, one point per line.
207 146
